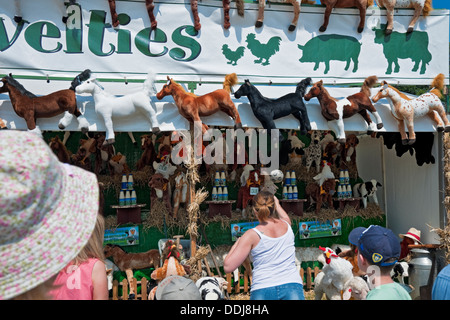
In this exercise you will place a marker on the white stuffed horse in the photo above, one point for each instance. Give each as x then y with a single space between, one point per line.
108 105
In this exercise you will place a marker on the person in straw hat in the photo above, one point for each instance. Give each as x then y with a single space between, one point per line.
48 211
411 237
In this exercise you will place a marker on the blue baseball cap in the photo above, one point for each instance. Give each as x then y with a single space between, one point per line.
354 235
379 245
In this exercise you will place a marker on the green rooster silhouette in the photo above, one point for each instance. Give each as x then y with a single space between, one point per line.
232 56
263 50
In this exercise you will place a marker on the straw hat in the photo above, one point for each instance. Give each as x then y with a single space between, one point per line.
412 233
48 211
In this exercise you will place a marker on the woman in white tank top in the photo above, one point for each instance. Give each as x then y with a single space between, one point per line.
271 246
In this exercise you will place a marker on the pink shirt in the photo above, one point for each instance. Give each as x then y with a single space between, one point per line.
75 282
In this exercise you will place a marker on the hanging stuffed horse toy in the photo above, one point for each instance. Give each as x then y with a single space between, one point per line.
335 111
267 110
18 14
226 12
406 110
295 3
193 107
30 107
115 17
419 6
360 4
109 106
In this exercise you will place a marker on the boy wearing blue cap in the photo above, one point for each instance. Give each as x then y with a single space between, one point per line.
378 251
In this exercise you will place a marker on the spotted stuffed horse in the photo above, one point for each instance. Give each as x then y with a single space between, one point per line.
405 110
420 7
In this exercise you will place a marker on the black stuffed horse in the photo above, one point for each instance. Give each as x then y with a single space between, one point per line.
267 110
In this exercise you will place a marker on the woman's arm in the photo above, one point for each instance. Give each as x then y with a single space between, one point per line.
100 282
240 251
281 212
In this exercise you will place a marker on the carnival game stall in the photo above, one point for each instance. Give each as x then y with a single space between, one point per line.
171 105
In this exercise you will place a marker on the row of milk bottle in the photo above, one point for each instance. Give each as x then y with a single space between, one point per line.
127 194
220 193
290 192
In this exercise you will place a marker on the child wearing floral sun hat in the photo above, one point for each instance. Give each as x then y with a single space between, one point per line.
48 211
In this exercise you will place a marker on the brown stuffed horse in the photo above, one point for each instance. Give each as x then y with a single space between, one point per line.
130 261
226 12
360 4
335 111
193 107
30 107
115 17
295 3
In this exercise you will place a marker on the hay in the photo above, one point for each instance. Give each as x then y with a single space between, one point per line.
111 223
157 215
194 211
195 272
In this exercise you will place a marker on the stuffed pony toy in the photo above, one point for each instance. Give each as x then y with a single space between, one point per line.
115 17
295 3
420 7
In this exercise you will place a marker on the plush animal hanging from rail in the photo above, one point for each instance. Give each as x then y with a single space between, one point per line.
348 150
313 152
63 154
360 4
420 7
335 111
160 190
148 154
405 110
366 190
267 110
246 192
31 107
108 106
171 265
180 194
103 154
148 4
119 163
18 11
295 3
132 261
297 152
193 107
321 194
226 12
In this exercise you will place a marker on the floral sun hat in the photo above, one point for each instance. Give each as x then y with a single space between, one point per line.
48 211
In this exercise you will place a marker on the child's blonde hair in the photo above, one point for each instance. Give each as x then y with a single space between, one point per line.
94 247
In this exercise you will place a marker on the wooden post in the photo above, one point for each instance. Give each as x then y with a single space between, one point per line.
144 294
124 289
228 275
115 290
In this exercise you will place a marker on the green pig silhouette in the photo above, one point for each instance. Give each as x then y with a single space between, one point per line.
398 45
328 47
